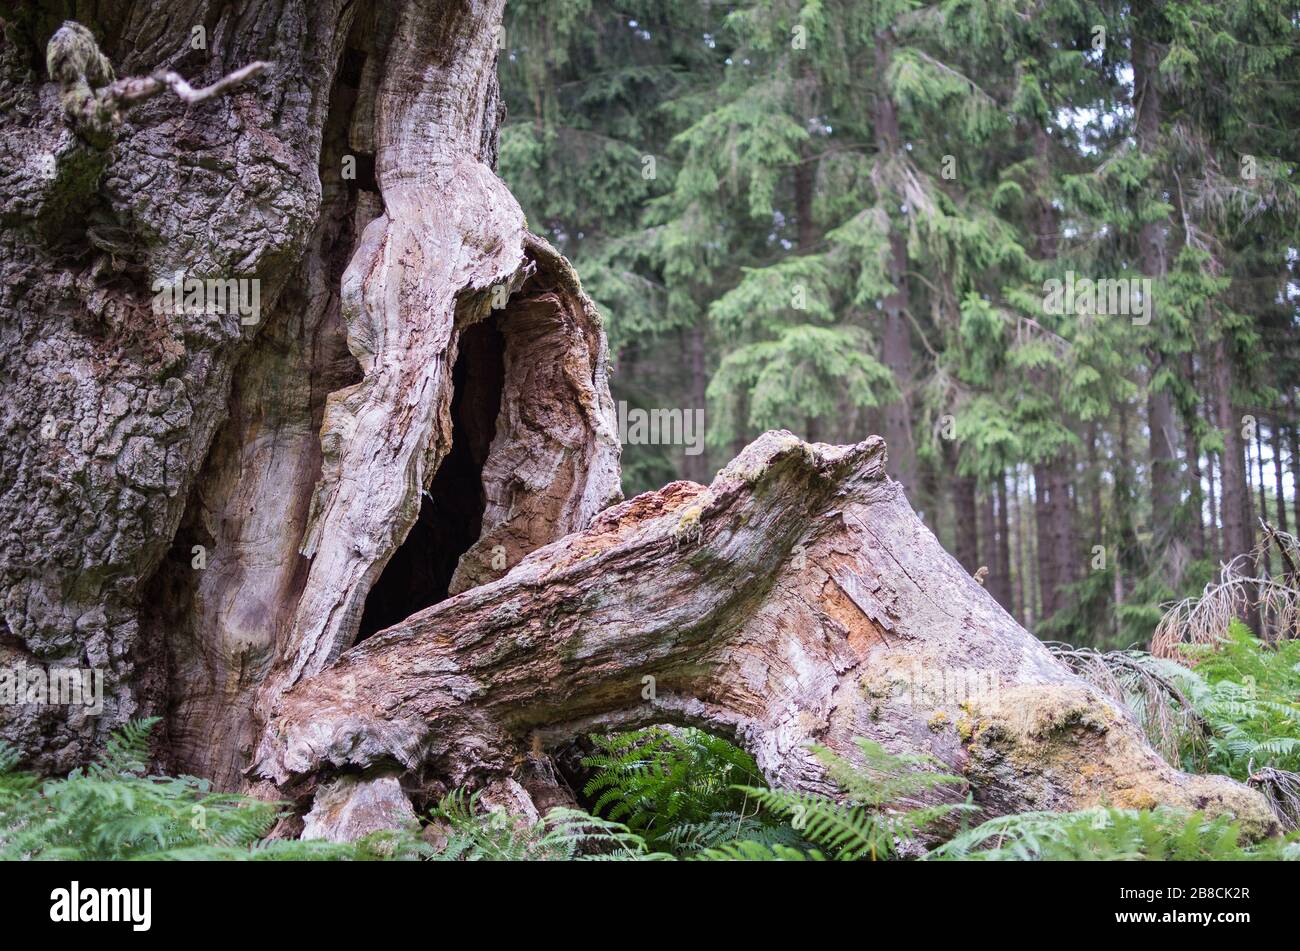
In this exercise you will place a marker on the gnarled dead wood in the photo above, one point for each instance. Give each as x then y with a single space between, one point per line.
797 599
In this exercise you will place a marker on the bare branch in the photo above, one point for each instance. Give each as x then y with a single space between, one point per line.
1205 620
93 98
139 88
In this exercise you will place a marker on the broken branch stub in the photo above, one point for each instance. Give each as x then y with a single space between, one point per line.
93 98
796 600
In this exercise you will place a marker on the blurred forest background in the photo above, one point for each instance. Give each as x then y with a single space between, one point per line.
839 217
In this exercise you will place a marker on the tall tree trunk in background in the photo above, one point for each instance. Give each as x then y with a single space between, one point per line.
1215 539
988 540
1053 506
965 513
804 181
1122 507
1234 482
1278 484
1262 484
1020 580
1127 555
1033 578
1054 515
896 336
1164 468
1064 534
1294 432
1151 252
935 502
1192 459
1094 488
805 170
1266 555
1002 571
1047 559
1234 486
739 440
697 466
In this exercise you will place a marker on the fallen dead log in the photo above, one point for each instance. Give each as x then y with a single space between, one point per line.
796 600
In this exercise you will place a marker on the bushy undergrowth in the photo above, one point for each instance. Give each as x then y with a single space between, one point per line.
1248 695
683 790
678 793
1118 835
1230 707
114 810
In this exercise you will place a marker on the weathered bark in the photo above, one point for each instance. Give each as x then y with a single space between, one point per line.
109 405
449 246
321 455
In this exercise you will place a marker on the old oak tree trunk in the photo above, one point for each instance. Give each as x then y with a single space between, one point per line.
363 541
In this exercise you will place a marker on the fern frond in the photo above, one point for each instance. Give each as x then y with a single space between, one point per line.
749 851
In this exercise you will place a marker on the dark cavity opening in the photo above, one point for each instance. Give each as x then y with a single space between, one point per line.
451 512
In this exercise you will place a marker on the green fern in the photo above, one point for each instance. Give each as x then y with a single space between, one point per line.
682 789
1110 835
477 834
880 812
1248 694
750 851
112 810
689 838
